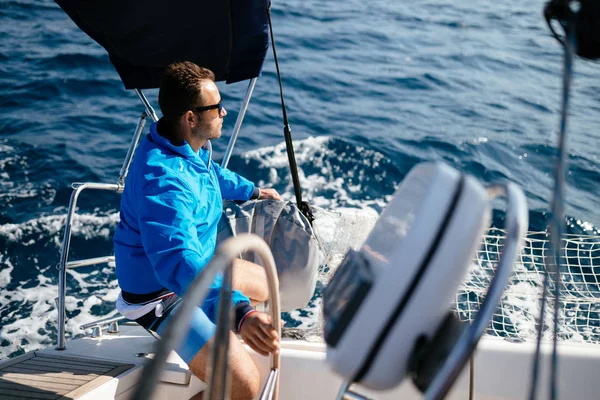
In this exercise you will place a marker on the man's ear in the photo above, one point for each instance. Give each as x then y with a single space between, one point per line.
191 119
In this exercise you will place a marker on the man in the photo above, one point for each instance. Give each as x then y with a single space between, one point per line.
170 210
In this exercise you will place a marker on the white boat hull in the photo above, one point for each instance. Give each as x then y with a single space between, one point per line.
502 370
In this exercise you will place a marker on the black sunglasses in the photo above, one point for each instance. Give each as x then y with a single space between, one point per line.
206 108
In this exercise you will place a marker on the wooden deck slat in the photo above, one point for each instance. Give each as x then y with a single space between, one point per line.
97 382
53 376
65 377
78 360
42 384
72 362
50 368
44 361
17 360
29 395
29 388
62 366
29 371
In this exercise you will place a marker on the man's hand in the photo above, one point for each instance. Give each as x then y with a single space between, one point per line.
257 332
269 193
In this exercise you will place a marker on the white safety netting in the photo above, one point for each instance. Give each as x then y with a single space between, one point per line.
516 316
517 313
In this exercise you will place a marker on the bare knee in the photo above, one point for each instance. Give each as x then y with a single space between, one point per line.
251 280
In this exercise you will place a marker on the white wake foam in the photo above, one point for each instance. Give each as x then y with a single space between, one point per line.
316 153
31 323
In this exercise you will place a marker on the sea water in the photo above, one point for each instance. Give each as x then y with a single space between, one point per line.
372 89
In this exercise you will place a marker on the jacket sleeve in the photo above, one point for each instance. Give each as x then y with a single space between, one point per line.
170 238
233 186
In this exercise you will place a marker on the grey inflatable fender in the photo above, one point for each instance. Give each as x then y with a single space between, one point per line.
290 238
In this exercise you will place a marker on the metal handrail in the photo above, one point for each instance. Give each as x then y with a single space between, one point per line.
90 261
516 226
218 384
269 391
64 263
346 394
64 254
194 295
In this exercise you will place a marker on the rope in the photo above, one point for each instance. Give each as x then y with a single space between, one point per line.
557 225
303 206
561 11
471 376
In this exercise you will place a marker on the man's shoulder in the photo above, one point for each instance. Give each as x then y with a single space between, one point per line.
153 159
152 165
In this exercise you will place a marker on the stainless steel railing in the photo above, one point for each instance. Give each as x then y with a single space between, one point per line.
64 254
64 262
90 261
238 122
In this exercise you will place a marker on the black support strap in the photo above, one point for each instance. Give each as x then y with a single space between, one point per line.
287 133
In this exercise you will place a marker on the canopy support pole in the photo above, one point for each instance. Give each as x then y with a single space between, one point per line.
238 122
149 110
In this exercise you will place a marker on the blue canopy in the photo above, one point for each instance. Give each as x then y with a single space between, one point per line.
142 37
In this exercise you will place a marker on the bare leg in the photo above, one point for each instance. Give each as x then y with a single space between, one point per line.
251 280
245 378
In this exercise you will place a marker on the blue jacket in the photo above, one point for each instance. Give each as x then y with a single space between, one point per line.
170 209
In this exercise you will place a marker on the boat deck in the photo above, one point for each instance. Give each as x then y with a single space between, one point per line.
105 367
47 376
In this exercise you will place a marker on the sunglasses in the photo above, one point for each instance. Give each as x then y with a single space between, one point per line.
219 106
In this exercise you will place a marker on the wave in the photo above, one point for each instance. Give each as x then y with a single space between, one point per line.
352 179
85 61
401 84
334 173
28 279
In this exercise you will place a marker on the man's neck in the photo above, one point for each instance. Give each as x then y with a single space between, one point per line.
177 136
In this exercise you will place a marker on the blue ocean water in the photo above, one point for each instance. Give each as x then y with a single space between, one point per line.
372 88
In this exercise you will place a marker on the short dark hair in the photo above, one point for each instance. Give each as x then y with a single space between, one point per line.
181 88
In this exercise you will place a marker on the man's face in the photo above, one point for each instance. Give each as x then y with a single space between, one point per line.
210 121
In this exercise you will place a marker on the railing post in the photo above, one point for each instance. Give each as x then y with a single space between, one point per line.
77 189
62 267
218 387
64 253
